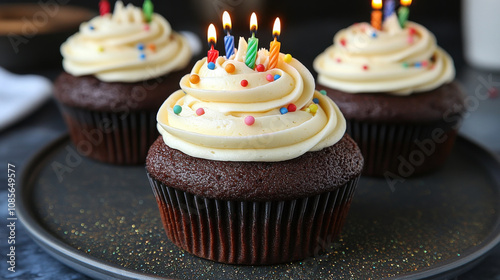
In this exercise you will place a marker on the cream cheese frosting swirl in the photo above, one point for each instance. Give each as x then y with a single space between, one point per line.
122 47
395 60
219 131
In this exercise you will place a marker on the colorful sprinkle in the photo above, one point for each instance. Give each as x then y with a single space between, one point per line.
365 67
291 107
313 108
177 109
277 76
425 63
142 56
323 92
230 68
91 27
283 110
316 100
343 42
200 111
287 58
338 60
410 39
418 64
101 49
406 65
374 35
492 92
146 27
140 46
211 65
412 31
260 68
249 120
244 83
194 79
152 47
269 78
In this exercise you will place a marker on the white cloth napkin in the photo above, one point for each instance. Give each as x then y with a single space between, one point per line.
21 95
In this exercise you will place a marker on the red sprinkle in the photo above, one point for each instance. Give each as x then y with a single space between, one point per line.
412 30
244 83
200 111
249 120
291 107
260 68
365 67
343 42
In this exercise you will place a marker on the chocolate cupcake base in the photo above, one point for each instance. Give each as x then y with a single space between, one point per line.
116 138
252 233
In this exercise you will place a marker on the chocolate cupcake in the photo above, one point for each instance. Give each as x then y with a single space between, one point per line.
254 172
118 70
396 89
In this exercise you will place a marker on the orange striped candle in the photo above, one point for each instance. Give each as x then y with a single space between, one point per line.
275 45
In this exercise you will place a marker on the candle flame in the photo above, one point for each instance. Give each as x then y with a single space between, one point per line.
253 22
406 2
377 4
212 34
226 20
277 27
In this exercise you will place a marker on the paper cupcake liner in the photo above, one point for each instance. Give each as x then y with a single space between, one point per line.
117 138
252 233
402 150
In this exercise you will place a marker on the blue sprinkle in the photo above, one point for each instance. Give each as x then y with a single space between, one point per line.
418 64
211 65
322 92
277 76
283 110
142 56
316 100
140 47
374 35
91 27
177 109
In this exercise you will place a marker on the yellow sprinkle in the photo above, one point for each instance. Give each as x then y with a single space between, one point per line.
313 108
101 49
288 58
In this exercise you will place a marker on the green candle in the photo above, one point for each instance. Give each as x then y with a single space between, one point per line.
403 14
148 10
253 43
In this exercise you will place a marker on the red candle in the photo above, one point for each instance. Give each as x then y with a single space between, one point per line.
274 50
212 54
104 7
377 14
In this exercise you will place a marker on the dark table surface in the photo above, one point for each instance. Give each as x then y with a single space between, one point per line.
22 140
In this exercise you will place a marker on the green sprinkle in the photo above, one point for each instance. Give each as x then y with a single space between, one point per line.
322 92
406 65
177 109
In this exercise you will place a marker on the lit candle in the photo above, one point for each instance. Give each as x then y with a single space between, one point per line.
228 39
148 10
253 43
212 54
377 14
275 45
404 12
104 7
389 7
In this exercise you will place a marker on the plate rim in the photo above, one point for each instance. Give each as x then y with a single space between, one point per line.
95 267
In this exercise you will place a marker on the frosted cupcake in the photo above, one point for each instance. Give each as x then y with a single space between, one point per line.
396 89
252 165
119 68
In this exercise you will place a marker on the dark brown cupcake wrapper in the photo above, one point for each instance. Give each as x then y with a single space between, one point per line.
402 150
252 233
117 138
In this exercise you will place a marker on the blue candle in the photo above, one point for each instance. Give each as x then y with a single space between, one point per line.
389 8
228 39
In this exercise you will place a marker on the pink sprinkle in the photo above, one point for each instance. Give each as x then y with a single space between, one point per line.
249 120
365 67
338 60
425 63
200 111
410 39
343 42
493 92
244 83
146 27
269 77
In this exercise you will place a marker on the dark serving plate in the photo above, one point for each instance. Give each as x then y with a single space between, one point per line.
103 221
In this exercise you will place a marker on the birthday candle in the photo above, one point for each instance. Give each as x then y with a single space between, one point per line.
275 45
212 54
228 39
148 10
389 7
253 43
104 7
377 14
404 12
